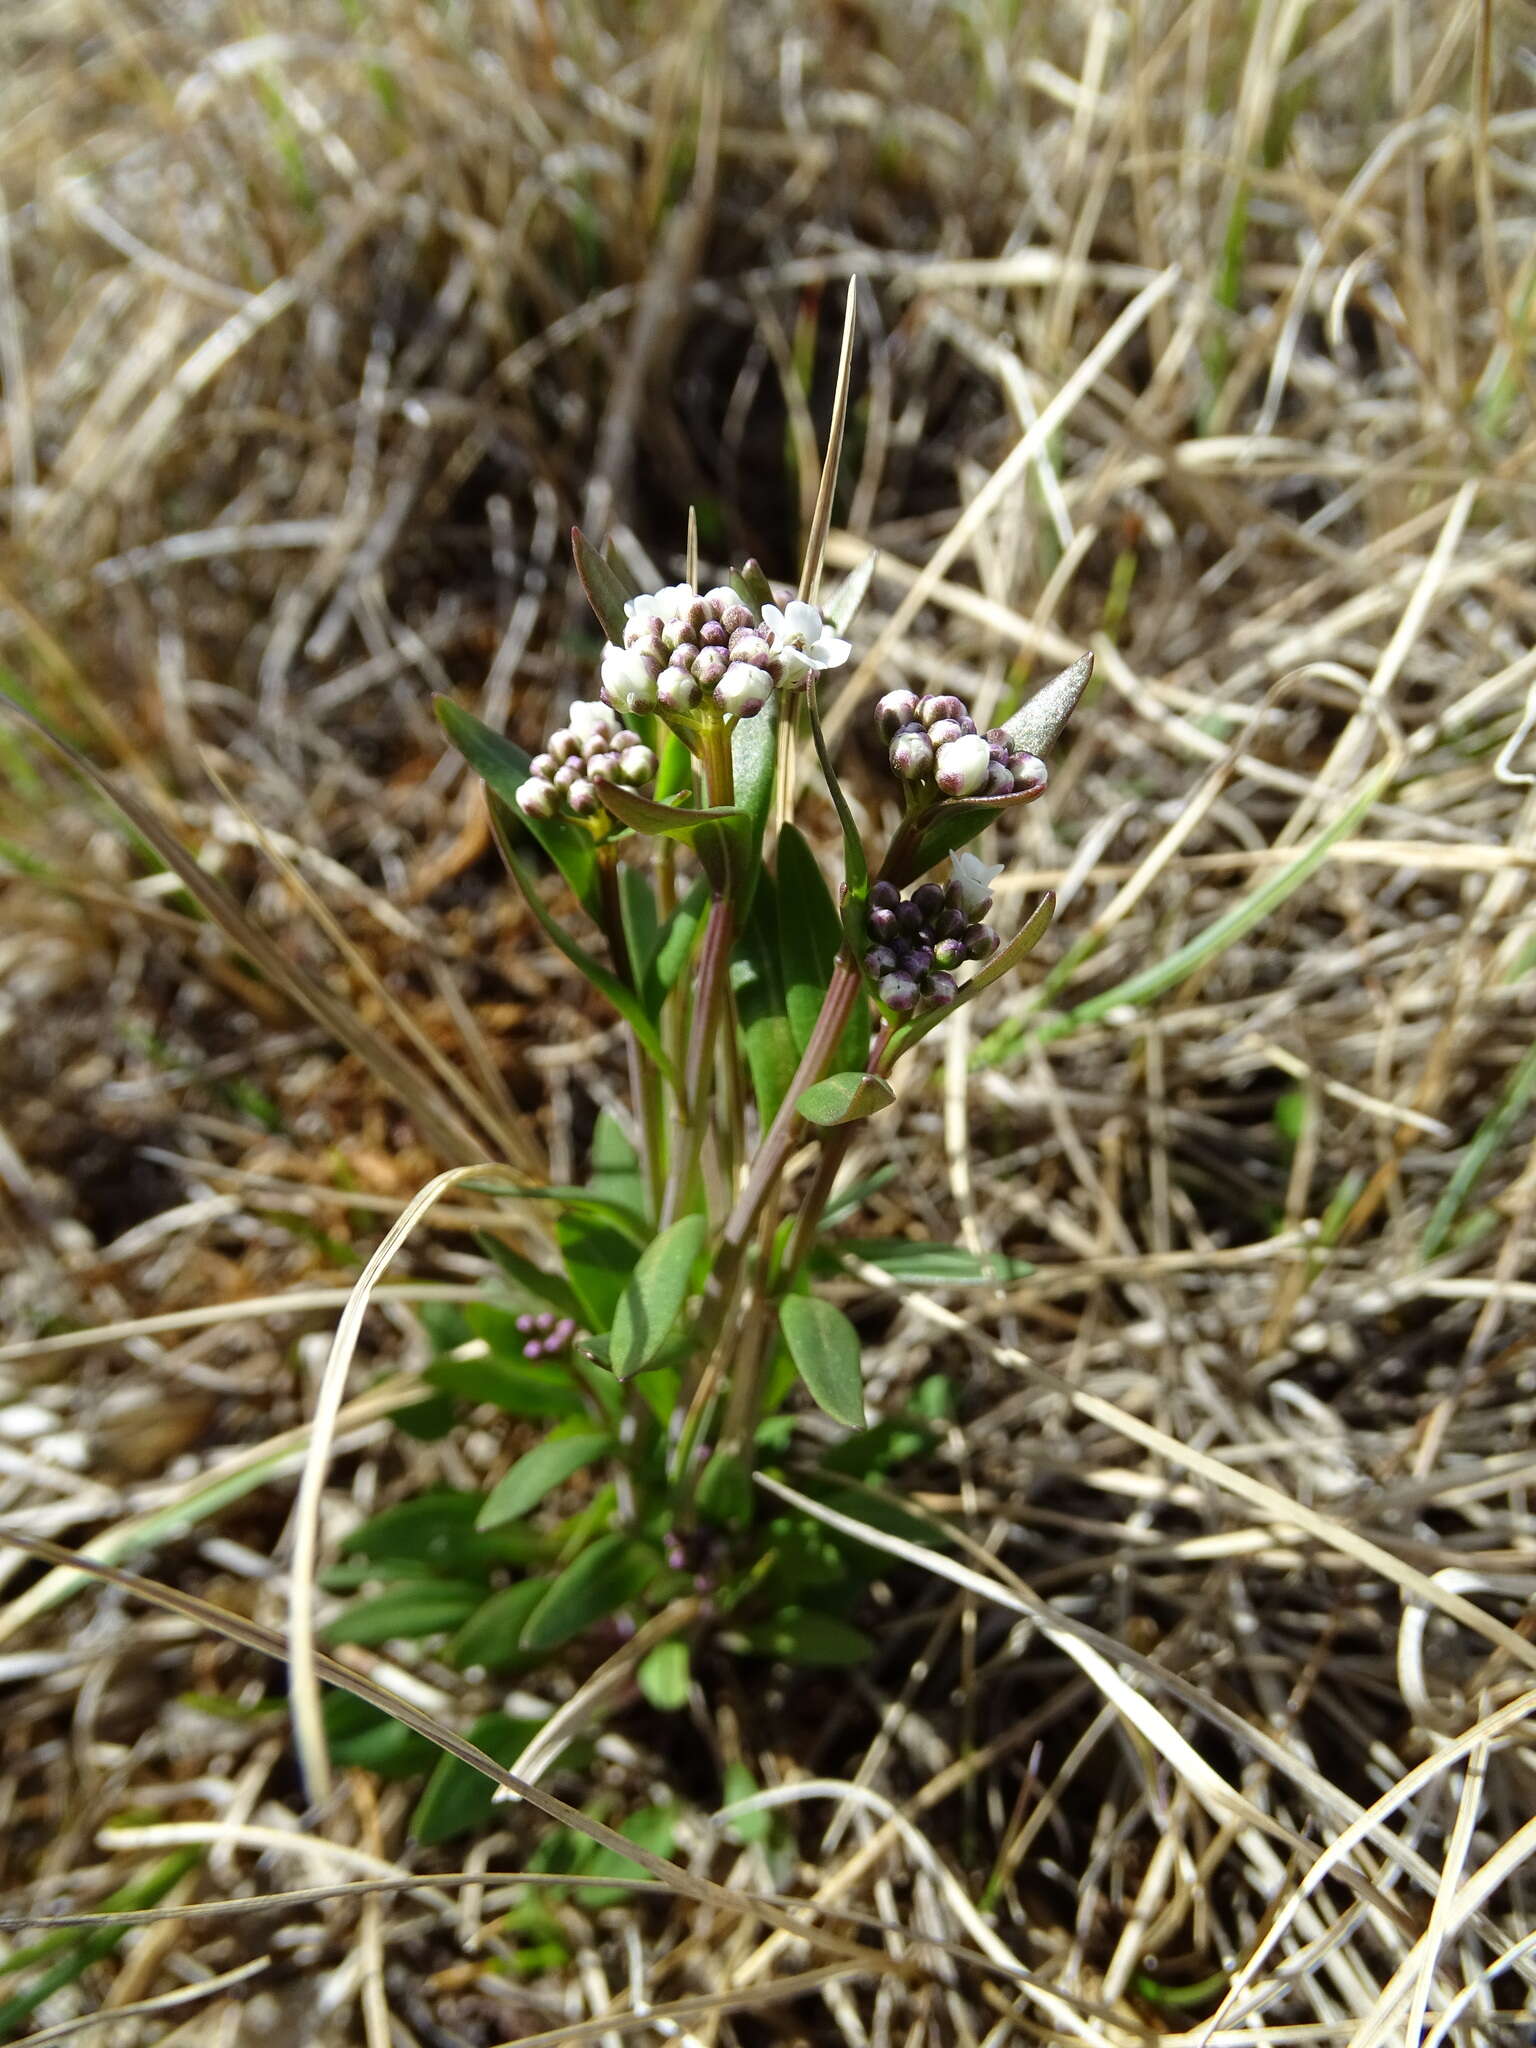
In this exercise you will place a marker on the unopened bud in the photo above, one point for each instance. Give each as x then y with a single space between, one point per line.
752 648
931 709
895 709
928 899
981 942
912 754
940 989
637 765
743 690
538 798
879 960
999 780
543 766
582 798
899 992
961 767
884 896
677 691
1029 773
709 665
883 924
602 767
949 953
735 616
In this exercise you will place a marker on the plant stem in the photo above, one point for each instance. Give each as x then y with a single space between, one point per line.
644 1081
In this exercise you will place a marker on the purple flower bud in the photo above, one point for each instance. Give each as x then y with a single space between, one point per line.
949 954
526 1323
564 745
949 923
928 897
930 709
751 647
962 765
637 765
879 960
895 709
883 924
999 780
683 657
675 633
916 961
910 918
709 666
884 896
981 942
602 767
899 992
943 730
583 799
940 989
534 1350
912 755
1029 773
538 799
567 773
542 767
698 615
713 634
735 617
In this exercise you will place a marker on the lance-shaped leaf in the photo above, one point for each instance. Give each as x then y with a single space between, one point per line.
630 581
625 1001
825 1348
949 826
503 767
674 947
605 591
855 865
751 585
1018 948
608 1575
762 1022
754 768
844 1098
1037 725
809 936
540 1471
655 1295
721 837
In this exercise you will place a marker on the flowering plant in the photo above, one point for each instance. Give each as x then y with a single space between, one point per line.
763 1015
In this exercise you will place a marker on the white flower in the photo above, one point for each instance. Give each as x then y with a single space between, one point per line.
661 604
627 680
974 879
961 768
799 636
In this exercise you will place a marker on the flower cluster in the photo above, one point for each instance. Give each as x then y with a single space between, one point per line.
937 750
547 1334
683 651
595 747
921 939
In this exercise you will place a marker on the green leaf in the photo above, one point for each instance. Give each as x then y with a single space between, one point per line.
527 1278
624 1000
855 865
457 1797
857 1193
751 585
428 1421
825 1348
725 1491
1038 725
637 906
653 1828
844 1098
755 768
955 824
665 1675
540 1471
880 1449
609 1573
803 1636
362 1736
437 1530
918 1264
598 1262
654 1297
420 1607
721 837
674 947
503 767
739 1784
605 590
614 1175
809 934
766 1038
491 1635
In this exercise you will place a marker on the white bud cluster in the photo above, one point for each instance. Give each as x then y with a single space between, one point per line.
934 741
594 747
682 647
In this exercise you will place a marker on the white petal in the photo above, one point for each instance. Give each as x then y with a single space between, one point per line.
804 619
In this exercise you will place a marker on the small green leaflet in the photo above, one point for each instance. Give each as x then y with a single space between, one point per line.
540 1471
844 1098
605 591
654 1297
825 1348
457 1797
803 1636
608 1575
416 1607
491 1636
917 1264
664 1676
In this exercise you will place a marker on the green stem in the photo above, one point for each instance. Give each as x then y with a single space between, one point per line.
709 1001
644 1081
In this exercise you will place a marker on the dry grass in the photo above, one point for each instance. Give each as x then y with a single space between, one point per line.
318 326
